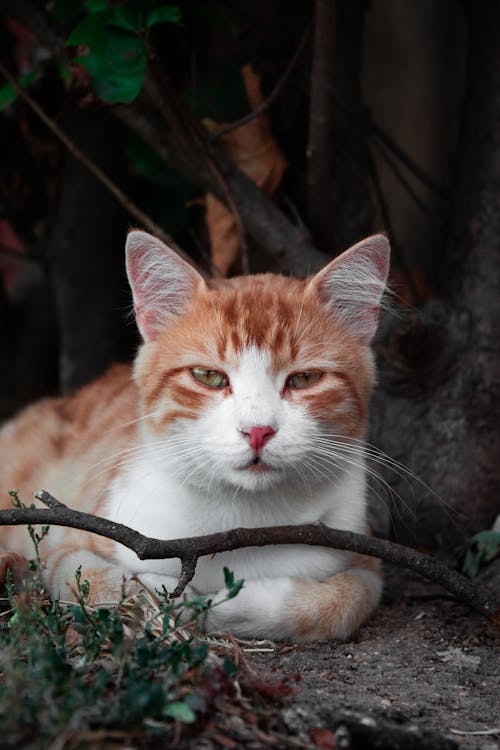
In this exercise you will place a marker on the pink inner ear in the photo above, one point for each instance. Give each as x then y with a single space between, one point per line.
163 284
351 285
147 322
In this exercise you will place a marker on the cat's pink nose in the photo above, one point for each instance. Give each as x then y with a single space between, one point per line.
258 437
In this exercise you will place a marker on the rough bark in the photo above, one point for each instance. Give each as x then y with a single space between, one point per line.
29 345
86 253
438 407
351 209
320 143
339 198
288 245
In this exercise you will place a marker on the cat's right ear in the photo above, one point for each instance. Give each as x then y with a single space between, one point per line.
162 283
351 286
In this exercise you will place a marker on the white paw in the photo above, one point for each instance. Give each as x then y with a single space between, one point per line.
256 612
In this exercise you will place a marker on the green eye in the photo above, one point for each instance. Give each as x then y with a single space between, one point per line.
212 378
303 379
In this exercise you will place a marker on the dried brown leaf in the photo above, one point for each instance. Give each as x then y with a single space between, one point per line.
254 149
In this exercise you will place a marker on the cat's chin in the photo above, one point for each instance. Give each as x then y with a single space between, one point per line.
256 477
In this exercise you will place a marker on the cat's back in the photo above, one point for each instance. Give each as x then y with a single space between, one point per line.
60 444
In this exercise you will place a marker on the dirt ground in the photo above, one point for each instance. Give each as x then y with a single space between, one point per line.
421 657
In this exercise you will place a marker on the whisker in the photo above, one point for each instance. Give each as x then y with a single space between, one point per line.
379 456
129 424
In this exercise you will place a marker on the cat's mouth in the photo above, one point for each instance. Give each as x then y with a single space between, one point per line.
257 466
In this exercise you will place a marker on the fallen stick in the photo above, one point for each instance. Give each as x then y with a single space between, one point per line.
190 549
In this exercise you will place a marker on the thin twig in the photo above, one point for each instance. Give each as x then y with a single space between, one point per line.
162 95
320 143
262 218
416 169
120 196
189 550
428 213
398 253
271 98
8 252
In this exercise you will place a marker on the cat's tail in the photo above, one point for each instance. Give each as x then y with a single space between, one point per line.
336 606
302 609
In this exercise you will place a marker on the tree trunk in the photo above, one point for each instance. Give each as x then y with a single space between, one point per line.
85 258
438 408
320 142
339 195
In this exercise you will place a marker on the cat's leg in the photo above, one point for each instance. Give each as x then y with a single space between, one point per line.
299 608
107 581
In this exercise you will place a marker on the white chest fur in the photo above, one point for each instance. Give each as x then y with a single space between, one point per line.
148 500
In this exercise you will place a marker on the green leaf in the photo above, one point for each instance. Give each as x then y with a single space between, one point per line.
96 6
8 95
164 14
228 578
64 9
235 590
484 547
126 18
91 30
117 67
219 93
234 587
180 712
65 73
230 667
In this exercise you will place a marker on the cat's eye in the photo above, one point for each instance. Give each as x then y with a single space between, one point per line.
303 379
212 378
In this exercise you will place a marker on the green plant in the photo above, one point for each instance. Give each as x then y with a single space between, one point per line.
484 547
141 666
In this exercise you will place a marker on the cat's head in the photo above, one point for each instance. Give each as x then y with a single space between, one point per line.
250 381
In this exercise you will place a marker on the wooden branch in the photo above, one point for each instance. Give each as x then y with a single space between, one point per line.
163 97
262 219
409 163
422 205
271 98
8 252
398 256
319 147
189 550
117 193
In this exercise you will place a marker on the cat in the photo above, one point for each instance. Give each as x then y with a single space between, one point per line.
246 406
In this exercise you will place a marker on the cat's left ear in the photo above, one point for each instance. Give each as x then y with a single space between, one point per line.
162 282
351 286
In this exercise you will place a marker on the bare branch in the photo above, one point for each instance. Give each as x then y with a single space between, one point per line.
397 252
409 163
425 209
162 96
269 100
189 550
120 196
319 147
262 219
8 252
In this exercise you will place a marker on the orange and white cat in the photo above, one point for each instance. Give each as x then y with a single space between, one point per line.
246 406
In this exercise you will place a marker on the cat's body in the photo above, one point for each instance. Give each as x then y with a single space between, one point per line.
246 408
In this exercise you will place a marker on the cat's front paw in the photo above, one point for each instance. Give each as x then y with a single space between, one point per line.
255 612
